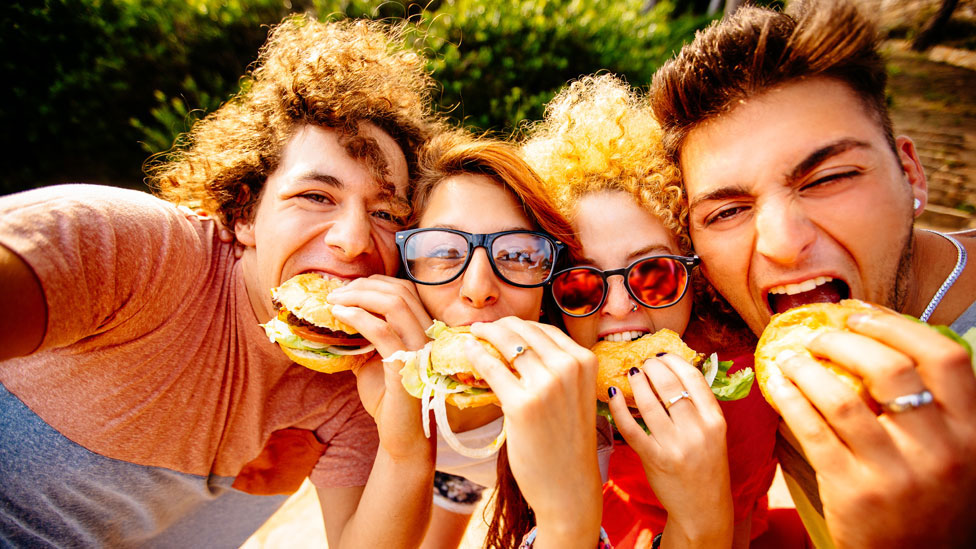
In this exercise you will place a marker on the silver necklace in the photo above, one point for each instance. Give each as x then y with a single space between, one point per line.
950 280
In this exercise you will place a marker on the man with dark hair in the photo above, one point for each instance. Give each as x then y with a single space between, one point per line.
799 192
141 402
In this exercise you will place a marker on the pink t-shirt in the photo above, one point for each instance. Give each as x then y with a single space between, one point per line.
153 354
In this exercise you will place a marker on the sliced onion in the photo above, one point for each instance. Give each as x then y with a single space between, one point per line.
440 413
350 350
711 369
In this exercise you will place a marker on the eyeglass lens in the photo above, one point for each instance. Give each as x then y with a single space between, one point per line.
654 282
520 258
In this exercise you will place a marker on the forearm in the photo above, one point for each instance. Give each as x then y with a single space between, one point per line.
701 531
395 506
577 524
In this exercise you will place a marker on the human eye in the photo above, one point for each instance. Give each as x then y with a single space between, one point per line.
389 217
445 253
317 197
725 213
823 182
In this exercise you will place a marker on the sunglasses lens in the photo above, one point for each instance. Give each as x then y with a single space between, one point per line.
435 256
658 281
523 258
578 292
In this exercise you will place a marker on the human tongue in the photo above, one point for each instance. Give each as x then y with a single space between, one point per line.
829 292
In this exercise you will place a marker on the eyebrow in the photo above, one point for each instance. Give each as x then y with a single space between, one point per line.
634 255
321 178
823 153
811 161
456 228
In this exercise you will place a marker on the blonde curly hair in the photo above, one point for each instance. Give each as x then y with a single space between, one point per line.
331 74
599 135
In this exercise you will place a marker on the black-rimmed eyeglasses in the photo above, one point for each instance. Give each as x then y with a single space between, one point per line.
437 256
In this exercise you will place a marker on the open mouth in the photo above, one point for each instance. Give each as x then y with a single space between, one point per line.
629 335
822 289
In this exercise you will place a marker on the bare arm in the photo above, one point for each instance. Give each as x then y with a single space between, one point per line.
394 507
391 511
23 318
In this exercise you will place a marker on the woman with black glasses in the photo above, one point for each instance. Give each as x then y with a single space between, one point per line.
599 153
486 242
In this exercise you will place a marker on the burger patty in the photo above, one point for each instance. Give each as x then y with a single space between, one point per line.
300 322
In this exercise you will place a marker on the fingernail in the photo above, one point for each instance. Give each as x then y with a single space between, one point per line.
634 370
612 392
340 310
662 353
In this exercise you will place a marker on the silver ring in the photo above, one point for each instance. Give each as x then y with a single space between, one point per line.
674 399
519 349
905 403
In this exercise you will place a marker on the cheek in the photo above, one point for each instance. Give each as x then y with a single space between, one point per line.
525 303
437 299
582 330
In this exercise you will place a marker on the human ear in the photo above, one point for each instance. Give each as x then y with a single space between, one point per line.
245 232
914 172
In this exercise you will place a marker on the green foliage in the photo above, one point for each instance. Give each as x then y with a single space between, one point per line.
92 86
500 61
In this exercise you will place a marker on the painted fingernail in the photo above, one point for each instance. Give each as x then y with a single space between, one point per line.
662 353
612 392
634 370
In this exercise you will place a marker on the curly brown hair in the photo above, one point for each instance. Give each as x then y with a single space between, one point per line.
333 74
600 135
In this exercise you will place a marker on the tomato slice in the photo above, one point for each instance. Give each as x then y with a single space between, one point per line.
335 338
469 379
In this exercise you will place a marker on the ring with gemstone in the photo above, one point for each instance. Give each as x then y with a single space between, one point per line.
908 402
673 400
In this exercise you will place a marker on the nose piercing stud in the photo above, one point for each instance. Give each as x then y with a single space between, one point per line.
917 204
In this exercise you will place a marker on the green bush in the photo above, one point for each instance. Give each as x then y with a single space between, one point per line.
499 62
95 86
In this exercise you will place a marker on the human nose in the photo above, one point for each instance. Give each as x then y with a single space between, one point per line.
350 234
784 233
619 303
479 285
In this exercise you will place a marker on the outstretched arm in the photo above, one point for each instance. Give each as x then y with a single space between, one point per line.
23 317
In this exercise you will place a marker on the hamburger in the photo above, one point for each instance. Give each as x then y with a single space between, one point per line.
441 374
788 334
616 358
305 330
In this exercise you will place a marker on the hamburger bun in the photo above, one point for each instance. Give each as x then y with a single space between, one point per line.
305 295
326 365
449 361
616 358
789 332
306 331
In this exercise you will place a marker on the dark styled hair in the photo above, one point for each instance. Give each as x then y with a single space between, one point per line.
757 49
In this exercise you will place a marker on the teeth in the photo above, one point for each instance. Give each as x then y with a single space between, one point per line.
805 286
624 336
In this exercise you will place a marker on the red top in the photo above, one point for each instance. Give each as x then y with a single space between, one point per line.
632 515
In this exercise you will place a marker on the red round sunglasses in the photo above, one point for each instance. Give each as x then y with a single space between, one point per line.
655 282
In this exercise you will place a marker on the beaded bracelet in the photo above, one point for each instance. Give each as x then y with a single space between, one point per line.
529 540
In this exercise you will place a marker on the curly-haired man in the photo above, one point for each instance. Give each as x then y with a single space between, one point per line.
142 404
799 192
